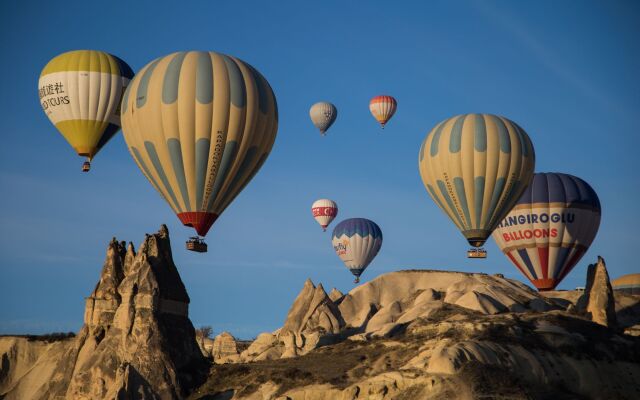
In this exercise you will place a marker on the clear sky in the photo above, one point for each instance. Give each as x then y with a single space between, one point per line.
567 72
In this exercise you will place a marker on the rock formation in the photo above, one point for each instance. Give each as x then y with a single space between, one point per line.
598 300
137 340
415 334
335 295
435 335
224 349
384 306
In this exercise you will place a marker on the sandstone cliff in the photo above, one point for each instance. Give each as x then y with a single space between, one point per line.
434 335
384 307
136 341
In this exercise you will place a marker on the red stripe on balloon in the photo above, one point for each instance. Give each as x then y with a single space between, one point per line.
201 221
515 262
543 255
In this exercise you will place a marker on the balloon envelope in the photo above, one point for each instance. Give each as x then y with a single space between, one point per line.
475 168
551 227
323 115
382 108
80 91
199 125
324 211
357 242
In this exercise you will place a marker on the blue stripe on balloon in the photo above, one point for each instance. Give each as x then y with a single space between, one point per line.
538 190
561 261
263 90
175 153
204 78
236 82
436 139
155 160
360 226
495 197
143 87
125 69
480 133
228 156
527 262
503 134
454 210
172 79
455 142
228 198
560 188
523 141
125 98
462 198
248 160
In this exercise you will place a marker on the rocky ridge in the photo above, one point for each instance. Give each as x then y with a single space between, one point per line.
136 342
404 335
437 335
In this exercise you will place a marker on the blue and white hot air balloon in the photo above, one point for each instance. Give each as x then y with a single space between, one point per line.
357 242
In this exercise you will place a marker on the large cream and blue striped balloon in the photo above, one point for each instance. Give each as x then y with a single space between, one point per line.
199 125
475 167
357 242
80 91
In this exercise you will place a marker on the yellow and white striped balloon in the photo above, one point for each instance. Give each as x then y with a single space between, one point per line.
475 168
199 125
80 91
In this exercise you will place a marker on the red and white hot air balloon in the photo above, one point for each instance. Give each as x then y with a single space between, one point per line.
324 211
383 108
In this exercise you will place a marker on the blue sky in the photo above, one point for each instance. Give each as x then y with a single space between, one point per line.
565 71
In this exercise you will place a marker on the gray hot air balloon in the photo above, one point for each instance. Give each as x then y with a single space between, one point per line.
323 115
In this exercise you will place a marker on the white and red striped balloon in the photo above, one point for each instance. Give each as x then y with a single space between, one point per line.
383 108
324 211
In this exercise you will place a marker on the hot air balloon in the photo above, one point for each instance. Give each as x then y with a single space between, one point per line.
475 168
80 91
383 108
357 242
324 211
199 125
550 228
323 115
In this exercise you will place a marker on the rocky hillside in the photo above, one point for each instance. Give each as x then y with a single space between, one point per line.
415 334
136 342
439 335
